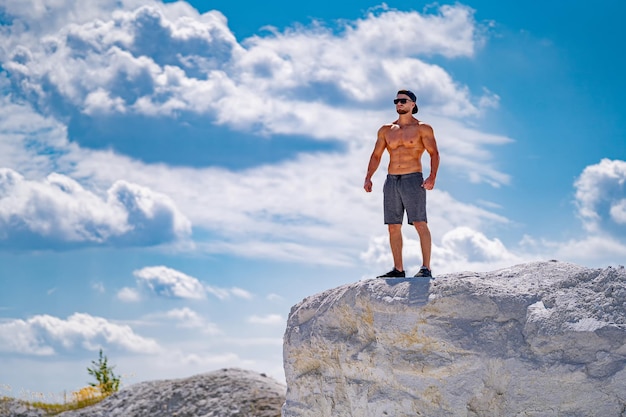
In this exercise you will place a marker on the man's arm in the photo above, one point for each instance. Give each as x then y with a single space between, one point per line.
377 154
428 138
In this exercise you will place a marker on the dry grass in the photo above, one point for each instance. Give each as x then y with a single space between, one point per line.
82 398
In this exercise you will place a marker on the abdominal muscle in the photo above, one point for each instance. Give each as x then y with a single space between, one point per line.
404 160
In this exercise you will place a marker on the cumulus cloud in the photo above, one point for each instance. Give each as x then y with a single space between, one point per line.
600 197
45 16
59 211
46 335
112 63
170 283
472 244
461 248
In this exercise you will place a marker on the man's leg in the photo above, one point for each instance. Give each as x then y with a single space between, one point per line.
395 241
425 242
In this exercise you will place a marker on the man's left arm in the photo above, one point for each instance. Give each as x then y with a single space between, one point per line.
428 138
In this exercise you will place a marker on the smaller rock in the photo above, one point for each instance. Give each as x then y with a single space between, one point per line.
223 393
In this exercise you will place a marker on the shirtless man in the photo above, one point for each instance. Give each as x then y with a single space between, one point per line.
406 139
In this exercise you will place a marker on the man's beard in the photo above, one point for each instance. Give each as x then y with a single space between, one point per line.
402 111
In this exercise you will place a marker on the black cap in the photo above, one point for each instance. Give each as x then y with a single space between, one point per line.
412 96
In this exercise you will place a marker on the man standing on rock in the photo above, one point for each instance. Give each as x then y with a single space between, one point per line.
406 139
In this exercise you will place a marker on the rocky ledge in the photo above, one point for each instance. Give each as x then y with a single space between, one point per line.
538 339
223 393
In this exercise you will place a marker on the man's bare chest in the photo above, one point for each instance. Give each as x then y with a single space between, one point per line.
407 137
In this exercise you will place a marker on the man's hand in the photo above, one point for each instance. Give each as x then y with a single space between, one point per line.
429 183
368 185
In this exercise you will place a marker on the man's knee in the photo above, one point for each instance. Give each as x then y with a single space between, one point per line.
421 226
394 228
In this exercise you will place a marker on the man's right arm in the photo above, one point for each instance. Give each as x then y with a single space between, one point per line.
377 154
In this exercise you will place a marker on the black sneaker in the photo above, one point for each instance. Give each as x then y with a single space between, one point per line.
424 272
394 273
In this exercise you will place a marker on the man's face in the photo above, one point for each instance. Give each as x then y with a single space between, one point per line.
403 104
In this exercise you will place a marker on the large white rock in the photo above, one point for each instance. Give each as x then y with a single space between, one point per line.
538 339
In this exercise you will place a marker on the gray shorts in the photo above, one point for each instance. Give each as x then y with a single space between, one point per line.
404 192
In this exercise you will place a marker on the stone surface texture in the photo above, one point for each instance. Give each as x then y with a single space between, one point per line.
223 393
537 339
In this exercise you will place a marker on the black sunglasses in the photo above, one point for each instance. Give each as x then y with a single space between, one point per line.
401 100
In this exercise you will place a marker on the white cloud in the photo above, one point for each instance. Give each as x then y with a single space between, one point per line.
468 243
129 295
59 211
600 192
170 283
268 320
45 335
113 60
49 15
221 293
186 316
111 63
30 141
241 293
465 151
18 336
461 248
618 211
100 101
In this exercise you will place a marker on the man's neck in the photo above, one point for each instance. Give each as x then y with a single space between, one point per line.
406 119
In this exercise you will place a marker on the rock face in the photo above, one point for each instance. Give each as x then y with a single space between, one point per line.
538 339
13 408
224 393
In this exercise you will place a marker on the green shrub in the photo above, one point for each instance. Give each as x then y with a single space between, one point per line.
107 382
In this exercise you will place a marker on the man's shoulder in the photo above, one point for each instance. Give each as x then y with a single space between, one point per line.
423 125
387 126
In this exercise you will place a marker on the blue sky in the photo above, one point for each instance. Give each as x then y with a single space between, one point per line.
175 176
